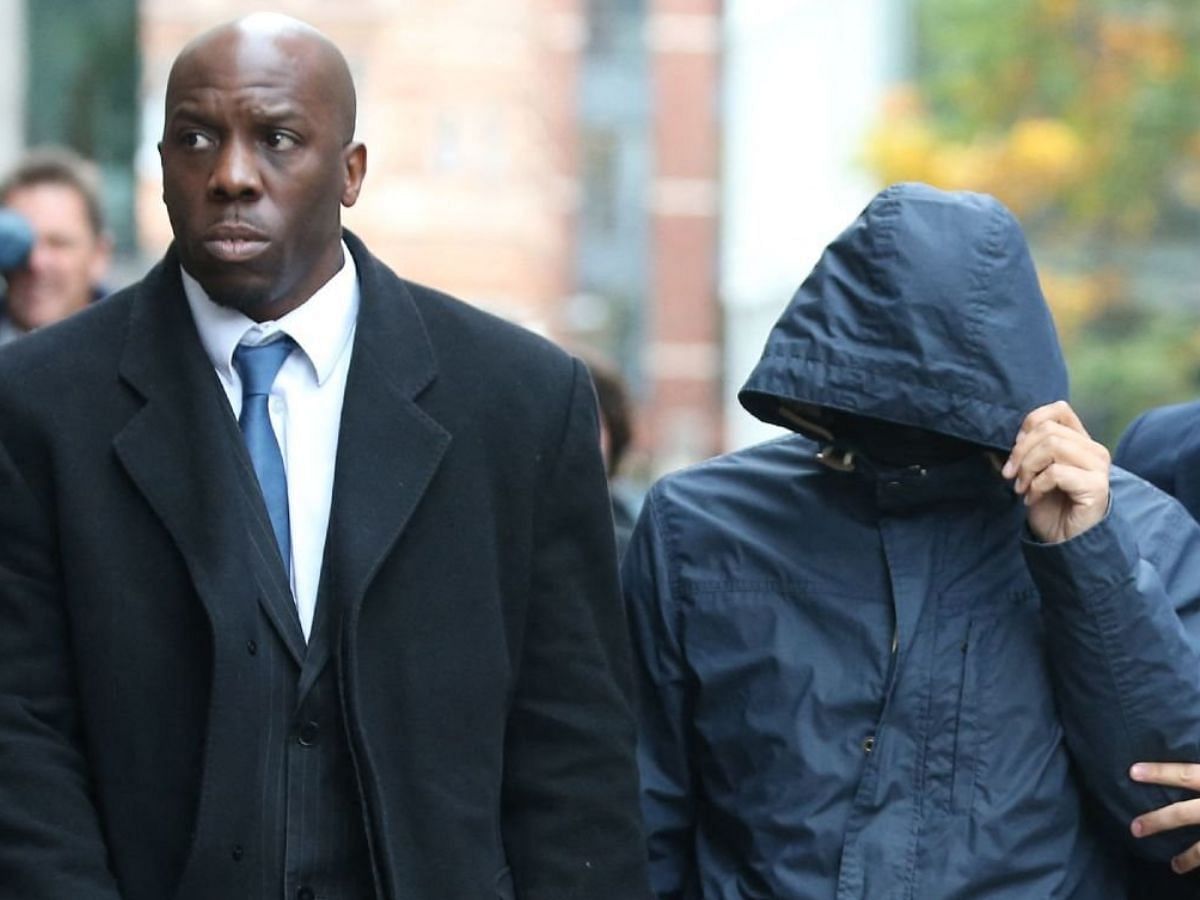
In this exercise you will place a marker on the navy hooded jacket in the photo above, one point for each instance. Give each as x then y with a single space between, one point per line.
873 683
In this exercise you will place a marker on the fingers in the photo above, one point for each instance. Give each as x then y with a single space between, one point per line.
1177 815
1059 411
1054 452
1052 443
1085 486
1055 419
1186 861
1171 774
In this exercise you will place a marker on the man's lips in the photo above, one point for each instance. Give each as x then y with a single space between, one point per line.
235 249
234 241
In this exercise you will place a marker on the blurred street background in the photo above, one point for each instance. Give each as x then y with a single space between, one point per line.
650 180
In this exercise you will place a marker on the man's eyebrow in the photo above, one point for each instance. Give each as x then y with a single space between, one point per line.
277 112
187 112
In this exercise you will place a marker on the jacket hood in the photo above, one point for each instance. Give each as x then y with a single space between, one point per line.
927 312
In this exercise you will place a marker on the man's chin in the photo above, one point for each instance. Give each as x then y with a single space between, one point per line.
252 303
244 293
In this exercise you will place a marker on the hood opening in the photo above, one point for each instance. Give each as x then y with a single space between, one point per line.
846 436
926 313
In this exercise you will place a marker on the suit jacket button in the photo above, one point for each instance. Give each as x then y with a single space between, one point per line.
305 893
308 734
251 647
238 853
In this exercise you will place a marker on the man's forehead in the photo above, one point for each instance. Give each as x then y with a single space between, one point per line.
264 55
262 97
233 60
263 93
264 68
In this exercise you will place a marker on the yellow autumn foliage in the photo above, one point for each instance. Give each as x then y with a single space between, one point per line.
1030 165
1074 298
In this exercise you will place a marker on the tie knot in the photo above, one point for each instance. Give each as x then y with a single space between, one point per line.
259 364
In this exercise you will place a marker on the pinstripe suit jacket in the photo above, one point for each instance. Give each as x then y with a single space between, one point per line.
481 658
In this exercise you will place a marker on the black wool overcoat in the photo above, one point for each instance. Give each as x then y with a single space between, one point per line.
482 657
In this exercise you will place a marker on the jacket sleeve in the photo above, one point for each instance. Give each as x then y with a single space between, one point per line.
51 843
570 819
1138 452
664 709
1121 604
1128 442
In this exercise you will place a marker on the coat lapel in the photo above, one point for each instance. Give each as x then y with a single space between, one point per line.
183 451
388 447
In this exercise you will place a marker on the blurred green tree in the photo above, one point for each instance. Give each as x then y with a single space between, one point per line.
1082 116
83 67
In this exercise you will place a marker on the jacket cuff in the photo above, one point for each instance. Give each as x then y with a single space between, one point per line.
1088 566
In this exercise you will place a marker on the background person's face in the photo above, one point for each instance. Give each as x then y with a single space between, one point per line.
67 261
254 174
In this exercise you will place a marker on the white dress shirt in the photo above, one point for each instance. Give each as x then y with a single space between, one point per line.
305 404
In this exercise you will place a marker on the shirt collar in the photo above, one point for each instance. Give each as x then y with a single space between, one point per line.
322 326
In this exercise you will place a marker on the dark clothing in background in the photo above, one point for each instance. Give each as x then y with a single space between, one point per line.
872 683
1163 446
624 511
474 640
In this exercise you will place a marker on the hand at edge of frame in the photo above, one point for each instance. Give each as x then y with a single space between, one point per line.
1174 815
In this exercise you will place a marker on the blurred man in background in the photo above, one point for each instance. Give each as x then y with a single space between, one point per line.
56 192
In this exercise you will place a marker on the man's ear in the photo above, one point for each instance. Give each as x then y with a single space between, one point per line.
354 161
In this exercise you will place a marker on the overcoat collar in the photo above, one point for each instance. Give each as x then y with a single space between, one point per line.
184 453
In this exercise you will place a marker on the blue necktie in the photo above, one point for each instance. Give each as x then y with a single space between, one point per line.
258 366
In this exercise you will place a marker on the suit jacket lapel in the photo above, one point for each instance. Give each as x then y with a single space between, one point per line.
184 452
388 447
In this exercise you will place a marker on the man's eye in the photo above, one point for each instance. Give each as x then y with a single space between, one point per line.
195 140
281 140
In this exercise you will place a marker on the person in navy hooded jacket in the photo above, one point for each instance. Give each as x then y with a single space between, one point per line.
912 651
1163 446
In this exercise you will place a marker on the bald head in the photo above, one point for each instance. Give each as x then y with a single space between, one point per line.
291 42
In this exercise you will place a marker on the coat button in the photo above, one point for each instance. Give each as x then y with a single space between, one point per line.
307 735
868 744
305 893
237 853
252 647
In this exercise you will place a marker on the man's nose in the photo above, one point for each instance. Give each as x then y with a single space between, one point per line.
235 175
